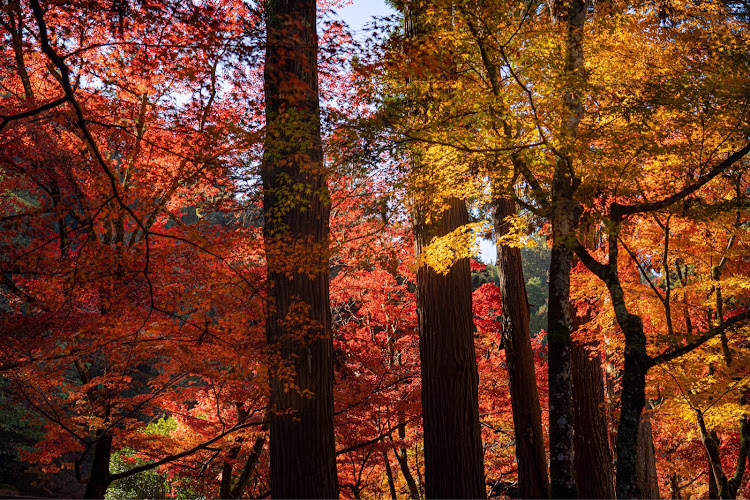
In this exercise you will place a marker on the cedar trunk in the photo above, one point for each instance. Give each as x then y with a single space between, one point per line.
296 225
594 464
533 481
648 481
454 465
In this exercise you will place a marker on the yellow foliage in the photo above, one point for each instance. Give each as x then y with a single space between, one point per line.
444 251
517 233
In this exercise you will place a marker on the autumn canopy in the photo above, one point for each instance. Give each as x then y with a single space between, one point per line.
245 250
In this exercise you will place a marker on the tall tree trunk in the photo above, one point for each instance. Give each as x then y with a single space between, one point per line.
637 364
296 214
454 462
648 481
565 213
524 395
453 454
561 431
595 476
633 398
99 479
389 474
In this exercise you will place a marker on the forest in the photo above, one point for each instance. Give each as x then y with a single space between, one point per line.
244 249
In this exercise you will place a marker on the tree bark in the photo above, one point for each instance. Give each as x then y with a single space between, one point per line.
713 490
15 26
226 470
637 364
296 216
632 402
562 472
674 487
648 481
454 462
238 487
524 395
99 479
389 474
719 485
594 462
453 454
564 214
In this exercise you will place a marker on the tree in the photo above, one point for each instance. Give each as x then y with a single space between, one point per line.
112 289
594 464
296 209
527 422
561 146
454 466
161 271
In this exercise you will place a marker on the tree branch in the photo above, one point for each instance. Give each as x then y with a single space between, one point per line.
182 454
619 211
713 332
6 119
369 441
602 271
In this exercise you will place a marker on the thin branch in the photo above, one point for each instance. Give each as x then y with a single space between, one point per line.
188 452
370 442
602 271
643 271
619 211
6 119
713 332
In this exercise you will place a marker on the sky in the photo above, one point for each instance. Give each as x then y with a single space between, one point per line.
359 14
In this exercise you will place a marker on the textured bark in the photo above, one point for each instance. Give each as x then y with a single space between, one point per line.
565 214
594 462
562 474
453 454
632 402
296 211
636 365
648 481
713 490
454 463
100 479
533 481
